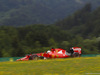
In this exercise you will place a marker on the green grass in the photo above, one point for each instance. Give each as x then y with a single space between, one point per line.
68 66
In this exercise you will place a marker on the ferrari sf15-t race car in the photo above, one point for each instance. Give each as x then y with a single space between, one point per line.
54 53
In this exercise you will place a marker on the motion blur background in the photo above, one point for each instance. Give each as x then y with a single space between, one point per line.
32 26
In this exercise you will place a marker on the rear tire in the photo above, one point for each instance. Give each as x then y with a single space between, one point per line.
76 55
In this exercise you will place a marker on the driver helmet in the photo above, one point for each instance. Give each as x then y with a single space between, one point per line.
48 51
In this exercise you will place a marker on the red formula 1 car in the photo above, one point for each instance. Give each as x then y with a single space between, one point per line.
54 53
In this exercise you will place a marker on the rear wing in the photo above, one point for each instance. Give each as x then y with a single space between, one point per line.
77 49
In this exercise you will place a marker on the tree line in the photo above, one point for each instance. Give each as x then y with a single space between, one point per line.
19 41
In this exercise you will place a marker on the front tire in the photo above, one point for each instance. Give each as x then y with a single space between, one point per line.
35 57
30 58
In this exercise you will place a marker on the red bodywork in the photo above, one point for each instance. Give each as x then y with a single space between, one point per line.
53 53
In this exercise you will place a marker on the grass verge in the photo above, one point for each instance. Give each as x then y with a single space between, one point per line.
68 66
